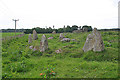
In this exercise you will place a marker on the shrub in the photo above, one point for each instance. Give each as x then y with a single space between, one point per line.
22 66
107 44
6 75
15 56
4 54
6 62
3 50
26 55
48 72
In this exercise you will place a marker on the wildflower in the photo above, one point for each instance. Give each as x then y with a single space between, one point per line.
53 72
41 74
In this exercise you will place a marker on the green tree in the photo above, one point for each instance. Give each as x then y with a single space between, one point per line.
64 28
74 27
88 27
60 30
68 29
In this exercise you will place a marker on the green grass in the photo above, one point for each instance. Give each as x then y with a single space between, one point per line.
21 62
0 65
3 35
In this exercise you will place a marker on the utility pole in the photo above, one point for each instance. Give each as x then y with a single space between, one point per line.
15 24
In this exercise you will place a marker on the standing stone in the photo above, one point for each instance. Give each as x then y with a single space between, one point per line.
94 42
61 36
35 35
43 44
30 39
54 32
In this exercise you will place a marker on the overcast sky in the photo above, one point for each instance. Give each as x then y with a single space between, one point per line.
41 13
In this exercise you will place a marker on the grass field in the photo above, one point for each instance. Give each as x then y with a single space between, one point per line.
18 61
9 34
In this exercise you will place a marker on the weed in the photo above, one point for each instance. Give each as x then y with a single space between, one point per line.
48 72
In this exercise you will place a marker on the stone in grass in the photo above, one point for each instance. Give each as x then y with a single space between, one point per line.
36 48
31 47
94 42
61 36
65 40
30 39
54 32
43 44
58 51
73 40
50 38
35 35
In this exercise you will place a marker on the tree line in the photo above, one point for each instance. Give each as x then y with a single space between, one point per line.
59 30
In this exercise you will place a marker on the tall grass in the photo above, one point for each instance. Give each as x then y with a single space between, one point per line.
9 34
18 61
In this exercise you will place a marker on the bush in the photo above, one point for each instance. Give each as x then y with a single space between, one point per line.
4 54
26 55
22 66
6 75
14 56
3 50
6 62
107 44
